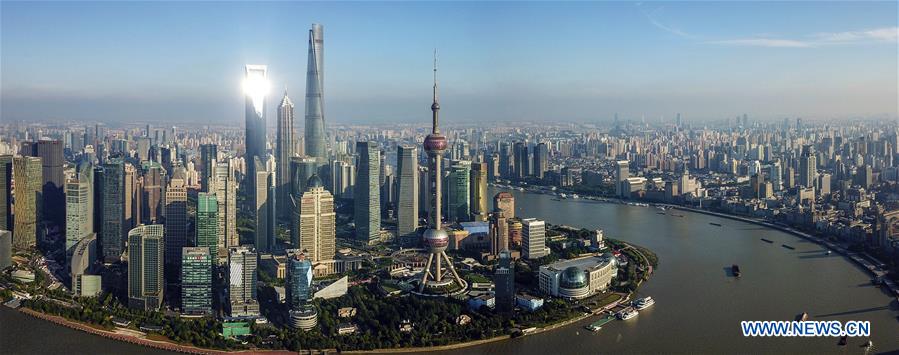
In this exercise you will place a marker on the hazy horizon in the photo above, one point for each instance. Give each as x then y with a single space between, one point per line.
580 62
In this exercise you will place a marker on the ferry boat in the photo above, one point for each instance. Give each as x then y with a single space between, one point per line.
627 314
661 208
644 303
787 246
767 240
575 196
735 269
715 224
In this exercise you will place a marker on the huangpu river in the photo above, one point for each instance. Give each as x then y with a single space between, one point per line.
698 307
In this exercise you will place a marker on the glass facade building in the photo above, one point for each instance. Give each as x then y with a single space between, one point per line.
196 280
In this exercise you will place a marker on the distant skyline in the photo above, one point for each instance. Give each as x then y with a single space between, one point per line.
529 61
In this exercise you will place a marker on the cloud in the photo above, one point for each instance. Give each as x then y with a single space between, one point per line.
763 42
653 17
886 34
877 35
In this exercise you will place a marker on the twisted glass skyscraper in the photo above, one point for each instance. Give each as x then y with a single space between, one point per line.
315 119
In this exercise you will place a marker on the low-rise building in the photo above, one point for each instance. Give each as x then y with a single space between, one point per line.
578 278
528 302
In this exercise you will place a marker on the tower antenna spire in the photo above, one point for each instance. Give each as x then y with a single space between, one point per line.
435 106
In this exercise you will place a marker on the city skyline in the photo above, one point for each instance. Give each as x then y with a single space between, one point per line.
771 60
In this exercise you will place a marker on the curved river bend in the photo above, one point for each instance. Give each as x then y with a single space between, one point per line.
698 306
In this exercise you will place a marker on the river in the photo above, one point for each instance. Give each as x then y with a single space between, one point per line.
698 306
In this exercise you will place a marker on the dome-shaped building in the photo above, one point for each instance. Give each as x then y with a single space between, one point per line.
573 283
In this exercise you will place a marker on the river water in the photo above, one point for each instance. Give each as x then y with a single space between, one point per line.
698 306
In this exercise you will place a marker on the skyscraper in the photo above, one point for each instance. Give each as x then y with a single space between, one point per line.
621 175
499 231
112 207
315 116
533 239
196 280
145 267
435 238
264 240
81 265
79 207
207 231
175 224
52 177
208 157
256 89
226 194
807 167
504 278
457 191
28 211
284 152
298 287
367 195
316 222
506 202
242 262
478 192
154 191
406 190
541 160
6 173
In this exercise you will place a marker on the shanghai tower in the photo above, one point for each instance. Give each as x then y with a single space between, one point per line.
315 121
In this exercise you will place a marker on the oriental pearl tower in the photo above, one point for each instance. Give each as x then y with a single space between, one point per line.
434 278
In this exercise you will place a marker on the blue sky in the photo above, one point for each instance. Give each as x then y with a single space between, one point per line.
167 61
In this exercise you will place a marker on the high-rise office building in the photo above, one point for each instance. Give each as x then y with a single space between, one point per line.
28 210
226 194
506 202
864 176
134 192
301 169
145 267
622 173
79 208
457 191
81 264
315 116
6 206
316 216
406 190
522 161
154 192
242 263
807 167
208 157
175 223
343 178
435 238
541 160
298 286
478 192
499 231
263 198
533 238
256 89
52 177
112 209
504 278
196 280
207 224
284 152
367 195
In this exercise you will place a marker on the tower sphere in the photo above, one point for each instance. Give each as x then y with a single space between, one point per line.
436 240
